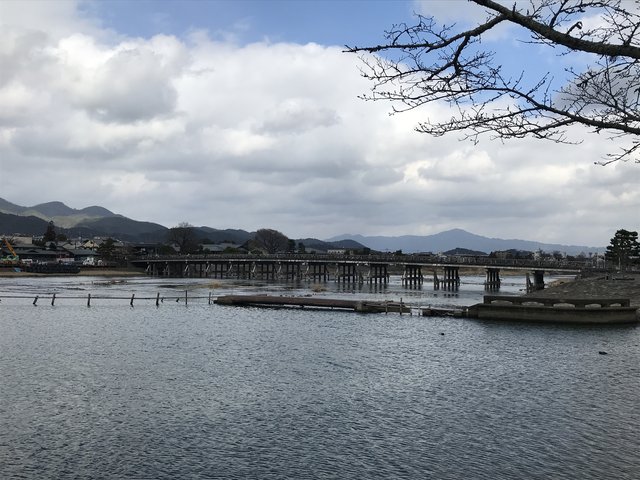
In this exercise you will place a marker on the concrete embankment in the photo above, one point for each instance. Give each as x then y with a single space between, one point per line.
600 286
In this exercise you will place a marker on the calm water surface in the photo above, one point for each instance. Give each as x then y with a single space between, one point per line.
203 391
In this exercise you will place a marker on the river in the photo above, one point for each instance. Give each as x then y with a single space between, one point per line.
206 391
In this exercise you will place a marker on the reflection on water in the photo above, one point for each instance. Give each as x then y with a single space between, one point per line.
204 391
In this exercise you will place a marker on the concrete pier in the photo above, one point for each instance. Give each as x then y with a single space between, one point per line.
492 281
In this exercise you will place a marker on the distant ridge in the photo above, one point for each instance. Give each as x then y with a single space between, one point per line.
458 238
99 221
96 221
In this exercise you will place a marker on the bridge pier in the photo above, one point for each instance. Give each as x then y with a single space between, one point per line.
241 269
346 272
317 271
412 276
451 279
289 270
538 281
216 269
492 281
266 270
378 273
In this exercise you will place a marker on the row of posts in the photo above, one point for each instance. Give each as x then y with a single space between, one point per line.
158 299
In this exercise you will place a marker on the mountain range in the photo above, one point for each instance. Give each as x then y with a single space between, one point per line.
98 221
458 238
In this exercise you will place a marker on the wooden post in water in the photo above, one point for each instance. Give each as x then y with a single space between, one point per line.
158 299
88 299
132 297
35 300
53 299
185 297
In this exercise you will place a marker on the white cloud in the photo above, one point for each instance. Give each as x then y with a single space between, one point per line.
268 135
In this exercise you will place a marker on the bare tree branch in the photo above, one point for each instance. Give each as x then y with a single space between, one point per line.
427 63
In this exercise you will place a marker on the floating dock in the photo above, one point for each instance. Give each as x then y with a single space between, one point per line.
604 311
360 306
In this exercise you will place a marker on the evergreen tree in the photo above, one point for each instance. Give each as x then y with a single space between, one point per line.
624 245
50 234
106 249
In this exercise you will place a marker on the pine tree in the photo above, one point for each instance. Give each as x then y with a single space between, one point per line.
624 245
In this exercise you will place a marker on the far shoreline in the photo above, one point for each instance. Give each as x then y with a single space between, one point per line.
84 272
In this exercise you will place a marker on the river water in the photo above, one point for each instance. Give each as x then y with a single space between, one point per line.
206 391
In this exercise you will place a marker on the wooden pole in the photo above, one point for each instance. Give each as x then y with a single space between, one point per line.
53 299
132 297
88 300
158 299
35 300
185 298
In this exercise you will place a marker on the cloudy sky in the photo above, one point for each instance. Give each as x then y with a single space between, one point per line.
245 114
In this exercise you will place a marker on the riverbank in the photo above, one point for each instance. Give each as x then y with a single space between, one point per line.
601 286
84 272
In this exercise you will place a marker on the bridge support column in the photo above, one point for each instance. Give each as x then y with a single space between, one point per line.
243 270
217 269
266 270
492 281
318 272
538 281
378 273
290 270
451 280
346 272
412 276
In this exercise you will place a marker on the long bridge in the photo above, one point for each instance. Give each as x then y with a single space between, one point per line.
373 269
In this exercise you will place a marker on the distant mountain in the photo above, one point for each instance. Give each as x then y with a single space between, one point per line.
87 222
11 224
8 207
96 211
124 228
98 221
465 251
221 236
458 238
314 243
62 215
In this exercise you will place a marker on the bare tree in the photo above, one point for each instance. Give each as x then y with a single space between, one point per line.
271 240
428 62
184 236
